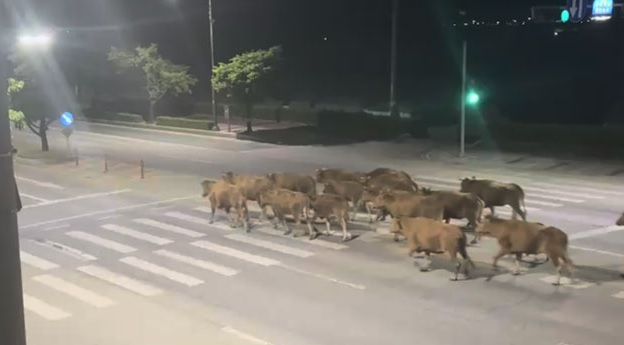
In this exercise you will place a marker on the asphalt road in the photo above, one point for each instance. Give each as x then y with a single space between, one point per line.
114 259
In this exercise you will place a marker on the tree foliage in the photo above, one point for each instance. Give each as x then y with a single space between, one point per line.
161 75
15 116
241 77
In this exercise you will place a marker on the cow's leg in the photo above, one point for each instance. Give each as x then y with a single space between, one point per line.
328 230
558 265
288 229
447 220
427 262
312 231
516 270
369 209
345 234
356 206
492 211
472 223
515 206
458 264
212 213
276 217
501 252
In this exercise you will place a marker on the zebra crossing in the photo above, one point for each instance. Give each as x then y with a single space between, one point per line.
148 254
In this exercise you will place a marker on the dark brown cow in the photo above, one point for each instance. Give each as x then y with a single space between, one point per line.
285 202
294 182
393 181
495 193
323 175
620 221
352 191
225 196
251 186
332 207
517 237
431 236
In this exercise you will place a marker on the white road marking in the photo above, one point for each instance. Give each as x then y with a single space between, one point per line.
169 227
80 197
37 261
116 246
583 188
39 183
62 226
65 249
245 336
507 210
161 271
136 234
542 203
33 197
316 242
226 271
121 280
567 282
75 291
619 295
43 309
109 217
188 218
597 251
595 232
112 210
324 277
256 259
270 245
560 192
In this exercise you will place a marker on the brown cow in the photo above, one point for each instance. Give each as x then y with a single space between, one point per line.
382 171
394 181
517 237
286 202
495 193
620 221
352 191
458 205
431 236
323 175
331 206
251 186
225 196
294 182
368 198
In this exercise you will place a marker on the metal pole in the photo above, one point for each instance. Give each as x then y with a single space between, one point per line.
212 62
393 59
462 120
12 330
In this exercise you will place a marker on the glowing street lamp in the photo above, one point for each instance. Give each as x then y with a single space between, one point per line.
39 40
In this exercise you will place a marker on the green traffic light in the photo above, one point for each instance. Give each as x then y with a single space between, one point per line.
565 16
472 97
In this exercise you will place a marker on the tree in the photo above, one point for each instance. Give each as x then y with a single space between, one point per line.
242 76
161 75
15 116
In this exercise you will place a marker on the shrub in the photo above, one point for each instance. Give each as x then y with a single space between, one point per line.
113 116
362 126
181 122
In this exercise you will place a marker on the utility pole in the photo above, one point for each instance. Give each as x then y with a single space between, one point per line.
212 62
462 119
394 111
12 330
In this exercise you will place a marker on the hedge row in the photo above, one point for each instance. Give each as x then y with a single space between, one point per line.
362 126
181 122
113 116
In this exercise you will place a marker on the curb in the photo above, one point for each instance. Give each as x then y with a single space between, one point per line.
207 133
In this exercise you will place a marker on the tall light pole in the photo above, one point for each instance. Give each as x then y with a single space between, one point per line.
212 62
462 119
394 111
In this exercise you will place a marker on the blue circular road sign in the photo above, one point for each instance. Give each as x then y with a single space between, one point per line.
66 119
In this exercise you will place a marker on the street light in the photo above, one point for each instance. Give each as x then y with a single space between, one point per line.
212 61
40 40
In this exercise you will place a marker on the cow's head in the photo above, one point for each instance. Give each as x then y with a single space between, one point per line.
207 187
228 177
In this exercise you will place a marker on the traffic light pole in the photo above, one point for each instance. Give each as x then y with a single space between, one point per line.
212 61
12 330
462 119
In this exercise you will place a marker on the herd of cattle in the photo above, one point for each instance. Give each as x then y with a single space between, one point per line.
420 215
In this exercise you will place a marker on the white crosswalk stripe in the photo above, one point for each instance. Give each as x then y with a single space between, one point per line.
75 291
595 232
161 271
118 247
121 280
136 234
235 253
619 295
581 188
169 227
316 242
43 309
210 266
37 262
188 218
270 245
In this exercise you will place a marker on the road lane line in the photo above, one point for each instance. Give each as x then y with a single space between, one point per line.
619 295
188 218
595 232
161 271
65 249
316 242
112 210
75 291
581 188
63 226
245 336
324 277
552 197
597 251
270 245
169 227
210 266
39 183
256 259
37 262
43 309
567 282
109 217
136 234
121 280
34 197
80 197
102 242
560 192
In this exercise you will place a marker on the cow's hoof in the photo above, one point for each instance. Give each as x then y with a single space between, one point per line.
211 222
453 278
473 242
515 273
313 236
495 269
556 284
347 238
286 233
424 269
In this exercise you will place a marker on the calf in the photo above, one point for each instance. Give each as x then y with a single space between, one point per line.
516 237
331 206
324 175
352 191
251 186
495 193
285 202
431 236
294 182
225 196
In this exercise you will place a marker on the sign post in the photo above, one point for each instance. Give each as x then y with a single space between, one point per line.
577 9
66 120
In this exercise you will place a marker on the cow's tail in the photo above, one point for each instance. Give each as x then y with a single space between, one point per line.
521 198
